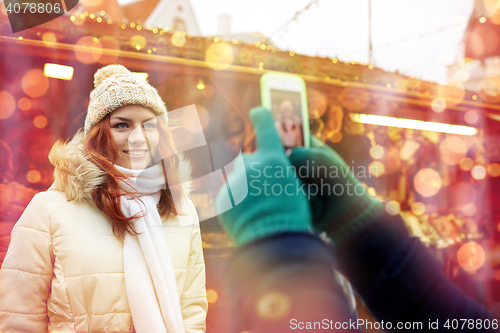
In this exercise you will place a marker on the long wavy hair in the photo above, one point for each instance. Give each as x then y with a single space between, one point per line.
103 152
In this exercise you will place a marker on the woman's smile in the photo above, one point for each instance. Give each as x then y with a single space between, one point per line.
136 135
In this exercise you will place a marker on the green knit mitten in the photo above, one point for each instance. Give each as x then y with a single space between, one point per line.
339 202
274 203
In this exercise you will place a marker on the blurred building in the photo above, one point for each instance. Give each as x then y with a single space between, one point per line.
477 65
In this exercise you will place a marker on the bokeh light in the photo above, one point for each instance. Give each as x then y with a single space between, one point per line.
178 39
78 19
33 176
438 105
35 83
7 105
273 305
317 104
49 39
200 85
469 209
453 94
376 169
111 50
452 150
355 98
427 182
24 103
219 55
461 194
208 91
392 207
212 296
335 136
493 169
138 42
88 50
471 117
478 172
409 148
471 257
376 152
40 121
462 75
466 164
418 208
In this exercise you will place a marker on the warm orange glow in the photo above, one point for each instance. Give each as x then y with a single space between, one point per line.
138 42
438 105
40 121
200 85
466 164
7 105
49 39
219 55
452 94
471 257
409 148
335 136
494 169
427 182
208 91
88 49
33 176
469 209
24 103
418 208
471 117
78 20
273 305
376 169
35 83
212 296
108 43
478 172
178 39
392 207
452 150
376 152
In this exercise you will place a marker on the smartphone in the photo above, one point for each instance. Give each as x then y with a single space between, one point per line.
286 97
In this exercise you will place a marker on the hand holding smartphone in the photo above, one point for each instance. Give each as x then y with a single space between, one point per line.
285 96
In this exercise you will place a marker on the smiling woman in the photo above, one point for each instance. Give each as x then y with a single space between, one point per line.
135 134
109 247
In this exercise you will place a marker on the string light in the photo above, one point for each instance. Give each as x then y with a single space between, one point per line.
294 18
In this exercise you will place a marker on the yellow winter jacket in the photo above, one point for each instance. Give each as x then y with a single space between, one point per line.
64 267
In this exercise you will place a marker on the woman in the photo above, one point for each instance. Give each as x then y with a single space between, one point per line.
107 247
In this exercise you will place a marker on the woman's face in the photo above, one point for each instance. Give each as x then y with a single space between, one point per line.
136 135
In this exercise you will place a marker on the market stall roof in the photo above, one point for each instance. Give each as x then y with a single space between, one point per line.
90 35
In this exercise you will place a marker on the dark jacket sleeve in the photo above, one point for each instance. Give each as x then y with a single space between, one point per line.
400 280
286 283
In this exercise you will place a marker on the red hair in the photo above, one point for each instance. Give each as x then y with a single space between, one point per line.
103 152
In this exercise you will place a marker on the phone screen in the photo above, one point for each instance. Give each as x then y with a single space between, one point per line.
287 114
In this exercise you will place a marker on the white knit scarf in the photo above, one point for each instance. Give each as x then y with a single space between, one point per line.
149 274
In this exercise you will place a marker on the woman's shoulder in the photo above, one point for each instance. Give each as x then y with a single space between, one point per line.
74 174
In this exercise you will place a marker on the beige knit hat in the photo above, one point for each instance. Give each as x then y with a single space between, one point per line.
116 86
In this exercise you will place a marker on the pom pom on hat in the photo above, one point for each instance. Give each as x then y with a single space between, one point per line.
108 71
115 86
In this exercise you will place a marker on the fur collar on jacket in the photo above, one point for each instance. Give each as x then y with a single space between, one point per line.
77 177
